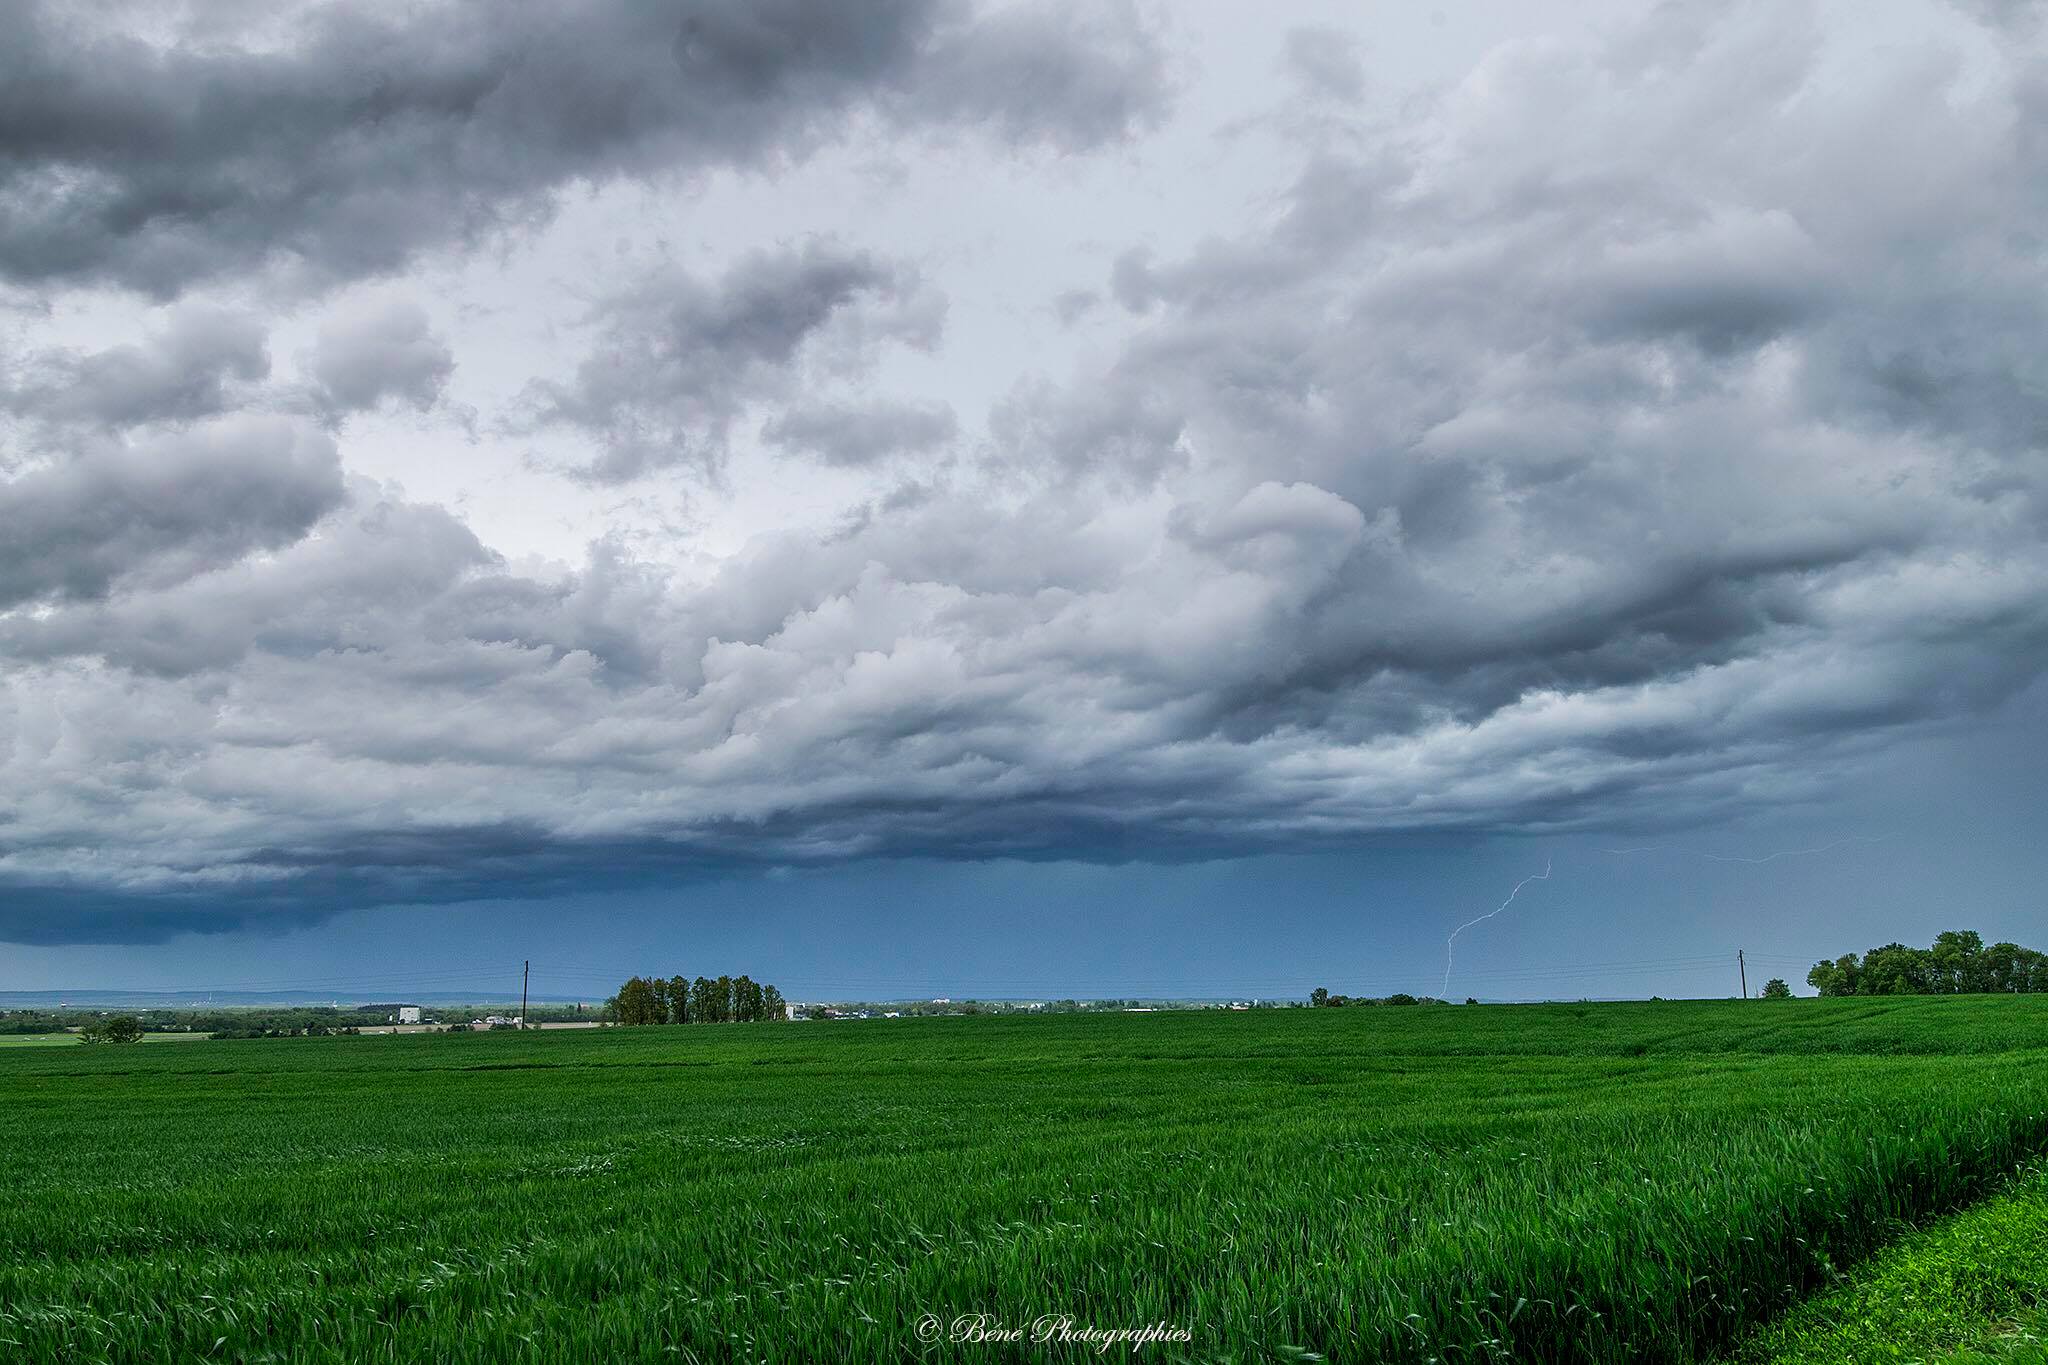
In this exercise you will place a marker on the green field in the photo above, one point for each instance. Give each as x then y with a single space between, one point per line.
1527 1183
72 1039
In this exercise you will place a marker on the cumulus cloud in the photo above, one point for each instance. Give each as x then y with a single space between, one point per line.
340 139
679 360
1614 431
859 434
379 350
161 509
197 363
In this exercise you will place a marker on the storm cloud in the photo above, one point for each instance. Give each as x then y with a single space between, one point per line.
1614 429
138 147
678 360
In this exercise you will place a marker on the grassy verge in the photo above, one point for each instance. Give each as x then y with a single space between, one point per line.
1971 1288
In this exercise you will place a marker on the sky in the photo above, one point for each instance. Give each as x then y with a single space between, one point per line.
1034 499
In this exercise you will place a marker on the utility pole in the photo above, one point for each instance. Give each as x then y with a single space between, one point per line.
527 967
1742 967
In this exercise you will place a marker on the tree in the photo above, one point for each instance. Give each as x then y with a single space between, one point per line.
1840 977
679 999
774 1007
1896 969
1776 989
636 1004
120 1028
1958 963
1319 997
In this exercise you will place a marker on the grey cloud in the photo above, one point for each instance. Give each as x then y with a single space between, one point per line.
1325 61
189 368
1505 479
161 509
370 134
1072 75
381 350
854 435
678 361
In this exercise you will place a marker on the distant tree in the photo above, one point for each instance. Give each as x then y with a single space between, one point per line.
2011 968
746 1000
679 1000
721 999
1319 997
1955 964
1400 998
1841 977
1958 963
702 1009
637 1004
776 1008
1776 989
119 1028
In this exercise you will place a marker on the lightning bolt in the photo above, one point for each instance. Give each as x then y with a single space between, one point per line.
1451 942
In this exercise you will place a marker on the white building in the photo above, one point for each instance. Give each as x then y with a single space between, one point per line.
408 1014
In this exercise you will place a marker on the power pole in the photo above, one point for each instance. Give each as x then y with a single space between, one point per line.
1742 967
527 967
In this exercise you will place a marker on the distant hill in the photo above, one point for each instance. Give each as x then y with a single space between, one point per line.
22 1000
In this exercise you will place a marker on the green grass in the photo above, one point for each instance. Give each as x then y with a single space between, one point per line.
72 1039
1558 1183
1973 1287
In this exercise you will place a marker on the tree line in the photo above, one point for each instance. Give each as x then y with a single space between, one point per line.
1320 998
1958 963
678 1000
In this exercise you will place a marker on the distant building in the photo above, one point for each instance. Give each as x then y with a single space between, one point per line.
408 1014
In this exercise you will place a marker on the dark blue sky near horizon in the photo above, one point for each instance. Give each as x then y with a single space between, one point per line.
1019 499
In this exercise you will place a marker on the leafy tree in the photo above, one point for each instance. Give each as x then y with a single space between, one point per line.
1957 963
636 1003
119 1028
1776 989
653 1000
1840 977
1319 997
